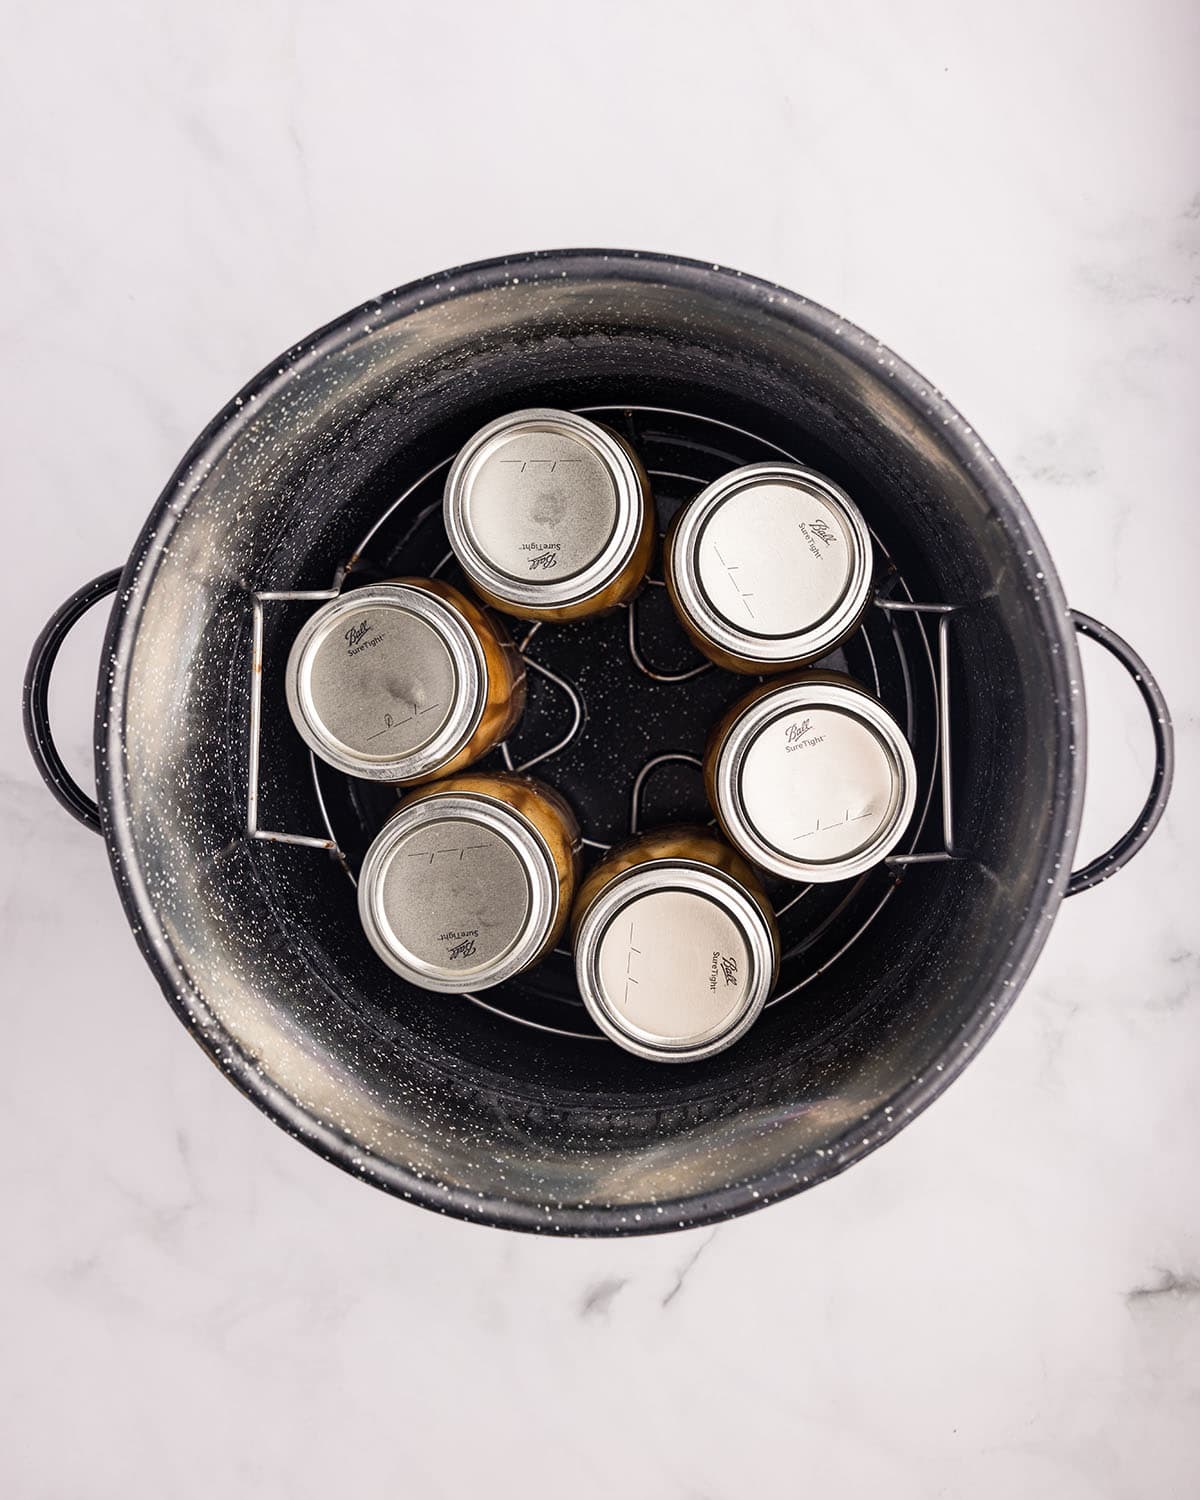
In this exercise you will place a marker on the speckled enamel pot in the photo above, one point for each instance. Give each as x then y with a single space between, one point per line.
256 944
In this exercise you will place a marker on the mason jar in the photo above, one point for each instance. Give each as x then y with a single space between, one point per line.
676 948
470 881
810 777
769 568
550 515
404 681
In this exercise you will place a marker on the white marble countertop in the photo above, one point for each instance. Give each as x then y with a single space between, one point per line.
1003 1302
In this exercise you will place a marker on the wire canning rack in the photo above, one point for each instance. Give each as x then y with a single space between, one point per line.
619 709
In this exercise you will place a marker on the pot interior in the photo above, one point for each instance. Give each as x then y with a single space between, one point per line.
508 1106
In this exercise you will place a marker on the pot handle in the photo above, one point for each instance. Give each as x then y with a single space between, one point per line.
1112 860
35 701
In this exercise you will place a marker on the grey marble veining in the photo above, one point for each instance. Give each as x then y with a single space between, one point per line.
1004 1301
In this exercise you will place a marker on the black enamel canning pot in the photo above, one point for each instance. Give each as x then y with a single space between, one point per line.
235 854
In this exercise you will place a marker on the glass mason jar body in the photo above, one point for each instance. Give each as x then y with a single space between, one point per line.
769 568
550 516
470 881
404 681
810 777
676 948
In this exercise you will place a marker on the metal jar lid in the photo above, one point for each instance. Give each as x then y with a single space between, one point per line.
387 682
814 781
458 892
674 960
544 508
772 563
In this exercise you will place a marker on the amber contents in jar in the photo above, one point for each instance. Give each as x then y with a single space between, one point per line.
676 948
404 681
470 881
810 777
681 842
540 805
504 702
550 516
768 568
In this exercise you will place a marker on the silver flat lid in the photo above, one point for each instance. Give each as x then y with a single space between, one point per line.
815 782
543 508
387 682
772 562
458 892
674 960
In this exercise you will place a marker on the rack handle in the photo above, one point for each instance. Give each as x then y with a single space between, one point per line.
35 699
1107 864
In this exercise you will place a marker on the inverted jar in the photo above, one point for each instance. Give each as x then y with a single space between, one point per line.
811 778
403 681
550 515
676 948
470 881
769 568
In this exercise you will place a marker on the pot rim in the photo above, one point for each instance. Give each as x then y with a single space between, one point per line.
789 1176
